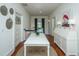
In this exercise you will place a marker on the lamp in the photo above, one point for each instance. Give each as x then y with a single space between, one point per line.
59 22
71 22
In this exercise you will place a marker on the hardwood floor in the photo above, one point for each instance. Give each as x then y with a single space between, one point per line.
50 39
58 50
54 45
17 48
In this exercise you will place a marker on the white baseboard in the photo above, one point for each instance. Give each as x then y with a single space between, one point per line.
78 54
11 52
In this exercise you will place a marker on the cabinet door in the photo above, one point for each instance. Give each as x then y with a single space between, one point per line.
63 45
72 47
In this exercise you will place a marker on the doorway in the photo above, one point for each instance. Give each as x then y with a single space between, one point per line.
51 26
40 25
17 29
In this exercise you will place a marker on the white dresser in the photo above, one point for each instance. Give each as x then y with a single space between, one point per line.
66 39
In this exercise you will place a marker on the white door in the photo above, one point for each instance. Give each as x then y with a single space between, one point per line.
17 29
49 28
52 25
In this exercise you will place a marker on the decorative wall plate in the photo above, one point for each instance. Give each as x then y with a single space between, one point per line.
9 23
4 10
11 11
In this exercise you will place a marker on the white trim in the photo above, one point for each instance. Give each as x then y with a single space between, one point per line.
11 52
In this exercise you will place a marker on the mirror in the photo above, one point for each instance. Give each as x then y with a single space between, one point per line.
9 23
4 10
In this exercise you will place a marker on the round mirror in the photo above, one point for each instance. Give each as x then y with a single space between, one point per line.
4 10
11 11
9 23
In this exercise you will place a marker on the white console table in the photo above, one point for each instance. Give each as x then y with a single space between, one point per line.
66 39
36 40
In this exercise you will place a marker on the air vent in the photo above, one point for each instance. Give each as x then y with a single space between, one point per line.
25 4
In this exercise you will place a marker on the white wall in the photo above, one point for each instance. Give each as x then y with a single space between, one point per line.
40 17
7 36
72 10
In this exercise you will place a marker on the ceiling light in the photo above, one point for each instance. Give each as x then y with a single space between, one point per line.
40 12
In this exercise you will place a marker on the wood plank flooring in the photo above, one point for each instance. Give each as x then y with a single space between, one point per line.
54 45
17 48
50 39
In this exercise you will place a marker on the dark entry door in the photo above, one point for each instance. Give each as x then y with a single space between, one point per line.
35 24
42 24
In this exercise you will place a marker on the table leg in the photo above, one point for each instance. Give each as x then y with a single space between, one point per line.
48 49
24 50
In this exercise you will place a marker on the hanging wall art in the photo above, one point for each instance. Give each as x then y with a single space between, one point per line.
3 10
66 17
11 11
9 23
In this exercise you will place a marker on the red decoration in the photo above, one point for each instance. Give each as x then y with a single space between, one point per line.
65 17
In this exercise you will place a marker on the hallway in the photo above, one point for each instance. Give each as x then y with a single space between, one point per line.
52 28
55 50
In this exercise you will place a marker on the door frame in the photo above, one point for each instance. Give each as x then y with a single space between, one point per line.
18 14
53 25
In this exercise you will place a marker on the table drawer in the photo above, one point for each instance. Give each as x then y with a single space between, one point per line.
36 50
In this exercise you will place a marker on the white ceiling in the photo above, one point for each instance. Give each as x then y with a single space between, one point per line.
40 9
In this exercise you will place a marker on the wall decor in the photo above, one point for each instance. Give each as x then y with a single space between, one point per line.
65 20
11 11
9 23
17 20
4 10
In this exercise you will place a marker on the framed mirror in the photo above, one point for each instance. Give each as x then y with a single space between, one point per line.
11 11
4 10
9 23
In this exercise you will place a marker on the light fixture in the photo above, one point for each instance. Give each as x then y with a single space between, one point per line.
24 4
71 22
40 12
59 23
48 20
